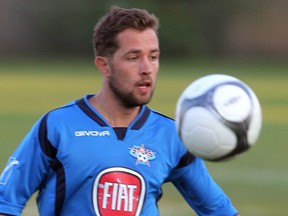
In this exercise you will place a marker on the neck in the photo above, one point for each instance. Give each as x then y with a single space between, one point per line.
115 114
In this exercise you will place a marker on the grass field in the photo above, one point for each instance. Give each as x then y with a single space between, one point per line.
257 181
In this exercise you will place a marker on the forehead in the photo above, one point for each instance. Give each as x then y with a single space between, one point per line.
132 39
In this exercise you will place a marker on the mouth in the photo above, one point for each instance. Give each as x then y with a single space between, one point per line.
145 83
144 86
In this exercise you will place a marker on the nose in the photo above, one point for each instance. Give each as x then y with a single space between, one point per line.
146 66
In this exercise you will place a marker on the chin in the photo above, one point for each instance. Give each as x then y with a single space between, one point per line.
135 103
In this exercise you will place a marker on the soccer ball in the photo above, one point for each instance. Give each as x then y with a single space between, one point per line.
218 117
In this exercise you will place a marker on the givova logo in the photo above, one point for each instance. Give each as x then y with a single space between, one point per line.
91 133
118 191
8 170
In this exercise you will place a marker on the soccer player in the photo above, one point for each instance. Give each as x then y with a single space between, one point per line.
108 153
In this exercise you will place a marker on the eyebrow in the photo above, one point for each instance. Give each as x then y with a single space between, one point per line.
139 51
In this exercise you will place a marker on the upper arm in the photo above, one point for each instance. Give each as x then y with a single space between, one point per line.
25 171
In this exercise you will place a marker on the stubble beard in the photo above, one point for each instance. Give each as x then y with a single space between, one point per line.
126 97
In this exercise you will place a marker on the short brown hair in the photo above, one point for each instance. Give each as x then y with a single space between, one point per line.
116 21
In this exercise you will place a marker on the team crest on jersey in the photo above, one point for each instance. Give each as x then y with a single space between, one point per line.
142 155
118 191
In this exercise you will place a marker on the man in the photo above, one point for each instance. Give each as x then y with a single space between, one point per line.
108 153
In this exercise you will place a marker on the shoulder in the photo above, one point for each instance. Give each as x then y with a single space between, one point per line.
63 112
160 116
58 119
163 123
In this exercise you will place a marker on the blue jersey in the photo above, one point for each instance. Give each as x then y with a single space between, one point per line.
80 165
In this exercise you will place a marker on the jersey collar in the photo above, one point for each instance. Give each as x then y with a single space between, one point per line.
86 107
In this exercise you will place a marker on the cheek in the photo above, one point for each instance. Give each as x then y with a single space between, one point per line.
127 75
120 79
155 74
156 68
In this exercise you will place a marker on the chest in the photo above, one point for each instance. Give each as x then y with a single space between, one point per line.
92 151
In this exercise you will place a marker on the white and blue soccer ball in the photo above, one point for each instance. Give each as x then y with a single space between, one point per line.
218 117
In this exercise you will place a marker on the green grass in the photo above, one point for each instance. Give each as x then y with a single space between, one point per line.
256 181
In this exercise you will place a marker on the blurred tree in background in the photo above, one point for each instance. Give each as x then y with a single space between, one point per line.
197 28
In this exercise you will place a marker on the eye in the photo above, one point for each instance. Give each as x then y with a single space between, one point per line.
132 58
154 57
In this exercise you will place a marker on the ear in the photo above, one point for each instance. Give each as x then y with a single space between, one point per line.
103 65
